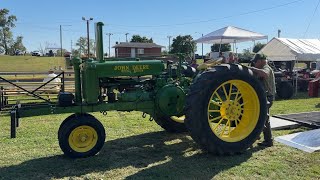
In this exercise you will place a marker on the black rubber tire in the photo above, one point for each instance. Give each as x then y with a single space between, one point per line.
303 85
80 120
71 117
197 103
285 90
169 125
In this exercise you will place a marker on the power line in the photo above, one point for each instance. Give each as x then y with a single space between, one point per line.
216 19
314 12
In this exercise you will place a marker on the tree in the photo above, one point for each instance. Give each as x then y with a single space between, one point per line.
83 45
183 44
245 56
224 47
59 52
138 38
258 47
17 45
164 52
6 23
75 52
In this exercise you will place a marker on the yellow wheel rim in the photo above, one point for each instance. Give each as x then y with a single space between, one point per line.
83 138
178 119
233 110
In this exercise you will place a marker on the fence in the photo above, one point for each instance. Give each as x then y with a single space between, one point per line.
29 92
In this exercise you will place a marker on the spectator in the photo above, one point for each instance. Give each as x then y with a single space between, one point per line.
224 60
232 58
194 64
54 84
264 72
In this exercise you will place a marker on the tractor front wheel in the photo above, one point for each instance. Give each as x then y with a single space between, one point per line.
226 109
81 136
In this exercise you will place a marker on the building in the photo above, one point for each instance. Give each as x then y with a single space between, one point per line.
136 49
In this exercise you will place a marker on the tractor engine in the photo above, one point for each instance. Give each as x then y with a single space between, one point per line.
132 81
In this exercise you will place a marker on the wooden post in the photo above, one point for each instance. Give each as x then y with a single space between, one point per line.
13 124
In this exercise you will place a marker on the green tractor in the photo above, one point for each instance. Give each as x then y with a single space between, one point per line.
223 107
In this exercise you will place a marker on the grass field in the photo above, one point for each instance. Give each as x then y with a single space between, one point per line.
138 149
29 63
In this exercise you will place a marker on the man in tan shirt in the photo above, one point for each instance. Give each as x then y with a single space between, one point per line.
266 75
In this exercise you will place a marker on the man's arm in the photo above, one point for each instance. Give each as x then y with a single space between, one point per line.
260 72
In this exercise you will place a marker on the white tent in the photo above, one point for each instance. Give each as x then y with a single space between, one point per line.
230 34
285 49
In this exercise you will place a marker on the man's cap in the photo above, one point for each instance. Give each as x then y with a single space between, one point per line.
259 57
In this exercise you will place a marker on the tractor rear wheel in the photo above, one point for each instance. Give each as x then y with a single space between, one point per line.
285 90
226 109
81 136
173 124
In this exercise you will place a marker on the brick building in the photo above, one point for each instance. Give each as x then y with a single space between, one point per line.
135 49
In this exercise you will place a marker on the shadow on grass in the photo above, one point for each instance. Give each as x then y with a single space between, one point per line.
161 155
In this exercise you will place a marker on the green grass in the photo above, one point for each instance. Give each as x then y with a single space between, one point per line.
29 63
138 149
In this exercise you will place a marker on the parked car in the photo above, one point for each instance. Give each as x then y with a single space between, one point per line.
67 54
36 53
19 53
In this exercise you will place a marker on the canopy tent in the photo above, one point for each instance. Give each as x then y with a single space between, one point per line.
285 49
230 34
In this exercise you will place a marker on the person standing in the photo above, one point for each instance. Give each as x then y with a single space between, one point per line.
265 73
232 58
223 58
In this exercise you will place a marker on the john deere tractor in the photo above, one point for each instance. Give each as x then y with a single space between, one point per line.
223 107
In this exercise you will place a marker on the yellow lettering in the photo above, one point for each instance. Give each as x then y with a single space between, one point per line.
121 68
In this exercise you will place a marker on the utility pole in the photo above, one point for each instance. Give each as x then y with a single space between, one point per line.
60 41
169 43
88 37
202 49
109 34
126 37
61 38
71 47
279 31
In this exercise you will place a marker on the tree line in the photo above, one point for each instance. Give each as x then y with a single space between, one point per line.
8 45
180 44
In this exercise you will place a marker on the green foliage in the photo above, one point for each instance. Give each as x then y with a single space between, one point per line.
224 47
6 24
138 38
17 45
75 52
258 47
164 52
183 44
246 56
59 52
82 43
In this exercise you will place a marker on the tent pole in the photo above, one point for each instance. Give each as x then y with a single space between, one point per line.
296 76
235 46
220 45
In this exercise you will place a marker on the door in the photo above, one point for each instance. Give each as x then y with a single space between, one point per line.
133 52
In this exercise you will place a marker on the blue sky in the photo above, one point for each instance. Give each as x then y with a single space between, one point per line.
39 21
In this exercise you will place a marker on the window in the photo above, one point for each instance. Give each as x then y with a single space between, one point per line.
140 51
